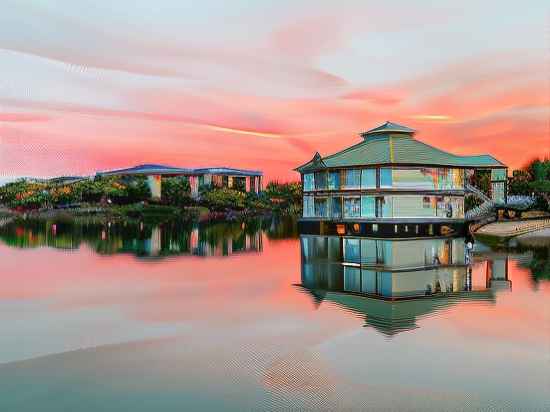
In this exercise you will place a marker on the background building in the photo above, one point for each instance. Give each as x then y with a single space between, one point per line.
239 179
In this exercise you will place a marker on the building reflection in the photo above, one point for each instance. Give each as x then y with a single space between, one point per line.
143 240
393 282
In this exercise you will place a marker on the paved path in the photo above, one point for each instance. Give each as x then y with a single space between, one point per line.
507 229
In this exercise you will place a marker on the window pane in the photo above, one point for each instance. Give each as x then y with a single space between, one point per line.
352 251
384 283
368 206
368 251
320 180
308 206
352 207
386 177
498 174
384 206
413 178
352 179
497 192
412 206
336 207
368 281
321 207
368 179
334 180
352 279
308 182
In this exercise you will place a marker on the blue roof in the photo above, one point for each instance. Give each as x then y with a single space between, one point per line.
156 169
147 169
228 171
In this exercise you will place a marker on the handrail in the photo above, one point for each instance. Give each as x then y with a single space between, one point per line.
478 192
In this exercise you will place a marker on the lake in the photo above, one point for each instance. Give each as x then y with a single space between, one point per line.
253 316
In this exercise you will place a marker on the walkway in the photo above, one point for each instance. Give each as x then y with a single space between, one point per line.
507 229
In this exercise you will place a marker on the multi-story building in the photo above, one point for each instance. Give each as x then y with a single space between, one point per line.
392 184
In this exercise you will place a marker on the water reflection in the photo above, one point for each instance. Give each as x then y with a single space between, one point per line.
394 282
148 240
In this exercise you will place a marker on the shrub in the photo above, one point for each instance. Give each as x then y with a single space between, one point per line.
176 191
222 199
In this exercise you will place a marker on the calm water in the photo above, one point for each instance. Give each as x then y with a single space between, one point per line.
254 317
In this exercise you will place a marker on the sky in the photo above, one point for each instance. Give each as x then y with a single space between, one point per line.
92 85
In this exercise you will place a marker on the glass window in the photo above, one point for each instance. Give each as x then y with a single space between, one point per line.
412 206
321 207
413 178
334 180
384 206
320 180
497 192
308 182
384 251
386 179
368 179
368 206
498 174
352 252
352 279
352 207
368 281
352 179
336 205
384 283
308 206
368 251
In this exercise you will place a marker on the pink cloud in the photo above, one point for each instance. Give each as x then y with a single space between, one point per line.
23 117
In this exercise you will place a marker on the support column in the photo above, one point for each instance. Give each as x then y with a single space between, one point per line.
230 182
247 183
194 185
155 186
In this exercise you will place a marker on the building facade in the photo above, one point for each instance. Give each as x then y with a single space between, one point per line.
238 179
390 177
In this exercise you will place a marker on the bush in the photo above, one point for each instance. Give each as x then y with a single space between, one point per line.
176 191
222 199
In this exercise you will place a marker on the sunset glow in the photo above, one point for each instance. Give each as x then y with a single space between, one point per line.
95 86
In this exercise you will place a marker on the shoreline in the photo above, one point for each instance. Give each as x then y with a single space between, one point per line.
505 230
135 212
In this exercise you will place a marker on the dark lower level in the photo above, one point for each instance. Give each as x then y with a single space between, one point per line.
395 229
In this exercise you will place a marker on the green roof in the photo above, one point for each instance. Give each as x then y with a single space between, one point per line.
388 127
393 144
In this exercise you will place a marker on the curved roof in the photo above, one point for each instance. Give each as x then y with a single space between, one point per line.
386 145
228 171
147 169
156 169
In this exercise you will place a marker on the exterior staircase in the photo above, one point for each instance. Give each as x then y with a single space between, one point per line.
483 210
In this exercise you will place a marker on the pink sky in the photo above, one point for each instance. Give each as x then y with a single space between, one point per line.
90 87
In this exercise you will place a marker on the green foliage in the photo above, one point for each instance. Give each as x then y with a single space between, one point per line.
471 202
25 194
285 198
482 180
175 191
533 179
223 199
